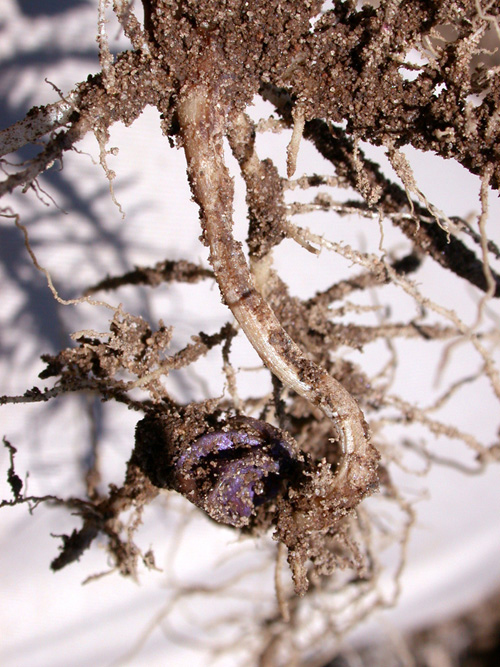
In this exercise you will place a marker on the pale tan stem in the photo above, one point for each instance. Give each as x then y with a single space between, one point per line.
293 147
38 122
202 122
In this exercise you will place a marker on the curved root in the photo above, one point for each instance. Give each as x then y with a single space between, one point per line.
202 121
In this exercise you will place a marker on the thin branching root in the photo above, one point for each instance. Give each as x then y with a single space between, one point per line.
311 467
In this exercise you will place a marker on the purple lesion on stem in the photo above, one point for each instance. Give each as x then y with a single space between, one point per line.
232 471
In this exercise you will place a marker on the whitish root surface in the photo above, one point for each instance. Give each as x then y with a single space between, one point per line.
202 121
